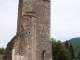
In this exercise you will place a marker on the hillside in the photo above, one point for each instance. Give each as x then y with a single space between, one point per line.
76 44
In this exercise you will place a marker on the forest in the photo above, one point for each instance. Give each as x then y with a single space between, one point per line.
64 50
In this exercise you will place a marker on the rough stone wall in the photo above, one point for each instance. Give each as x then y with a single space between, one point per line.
9 48
43 30
32 41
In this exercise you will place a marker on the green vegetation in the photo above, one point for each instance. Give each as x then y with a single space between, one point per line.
72 51
63 51
60 51
68 50
2 51
76 44
79 55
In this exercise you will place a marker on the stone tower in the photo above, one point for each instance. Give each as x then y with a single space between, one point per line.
32 40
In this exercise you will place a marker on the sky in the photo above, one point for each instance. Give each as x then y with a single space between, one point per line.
65 20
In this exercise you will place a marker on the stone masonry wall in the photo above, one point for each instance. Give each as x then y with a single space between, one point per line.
32 41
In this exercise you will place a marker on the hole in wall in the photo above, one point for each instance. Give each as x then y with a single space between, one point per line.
29 32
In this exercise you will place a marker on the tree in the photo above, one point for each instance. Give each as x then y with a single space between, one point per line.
67 44
72 51
59 51
70 48
2 51
79 55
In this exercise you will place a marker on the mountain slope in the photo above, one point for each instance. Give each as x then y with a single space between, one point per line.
76 44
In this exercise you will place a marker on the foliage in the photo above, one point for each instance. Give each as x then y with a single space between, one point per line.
79 55
70 48
59 51
72 51
2 51
67 44
76 44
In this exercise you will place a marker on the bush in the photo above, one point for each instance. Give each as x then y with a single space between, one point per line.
2 51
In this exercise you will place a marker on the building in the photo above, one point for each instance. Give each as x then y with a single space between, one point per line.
32 40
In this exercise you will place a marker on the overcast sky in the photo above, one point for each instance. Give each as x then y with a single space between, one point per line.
65 19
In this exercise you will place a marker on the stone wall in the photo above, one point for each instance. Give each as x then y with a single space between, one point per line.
32 41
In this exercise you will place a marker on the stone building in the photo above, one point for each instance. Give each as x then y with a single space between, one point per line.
32 40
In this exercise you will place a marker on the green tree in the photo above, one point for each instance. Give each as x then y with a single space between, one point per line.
2 51
59 51
79 55
70 48
72 51
67 44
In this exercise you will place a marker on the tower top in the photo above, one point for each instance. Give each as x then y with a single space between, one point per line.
33 8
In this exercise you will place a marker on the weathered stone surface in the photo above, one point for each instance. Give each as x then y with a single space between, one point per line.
1 56
2 59
32 41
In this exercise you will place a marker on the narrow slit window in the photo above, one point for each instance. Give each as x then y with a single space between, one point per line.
44 54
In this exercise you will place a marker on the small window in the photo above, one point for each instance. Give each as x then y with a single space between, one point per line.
43 54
